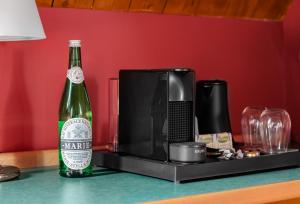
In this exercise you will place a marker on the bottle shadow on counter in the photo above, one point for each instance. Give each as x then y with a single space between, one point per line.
98 171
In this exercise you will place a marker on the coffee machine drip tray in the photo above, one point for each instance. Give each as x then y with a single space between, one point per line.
178 172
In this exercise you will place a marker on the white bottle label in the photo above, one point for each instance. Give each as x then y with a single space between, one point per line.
75 75
76 143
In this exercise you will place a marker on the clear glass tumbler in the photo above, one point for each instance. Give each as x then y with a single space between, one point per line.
275 129
113 114
250 127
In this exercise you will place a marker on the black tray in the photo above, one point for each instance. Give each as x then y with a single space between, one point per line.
184 172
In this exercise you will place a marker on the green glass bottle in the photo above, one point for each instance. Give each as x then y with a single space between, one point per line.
75 120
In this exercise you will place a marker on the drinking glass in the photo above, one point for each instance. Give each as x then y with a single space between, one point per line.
113 114
250 127
275 129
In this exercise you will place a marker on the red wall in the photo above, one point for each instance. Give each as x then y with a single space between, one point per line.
292 60
248 54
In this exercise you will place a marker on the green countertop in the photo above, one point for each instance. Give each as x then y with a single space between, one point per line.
45 186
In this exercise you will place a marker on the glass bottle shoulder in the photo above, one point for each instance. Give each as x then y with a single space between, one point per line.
75 102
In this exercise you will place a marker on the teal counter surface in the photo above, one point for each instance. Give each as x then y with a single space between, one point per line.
45 186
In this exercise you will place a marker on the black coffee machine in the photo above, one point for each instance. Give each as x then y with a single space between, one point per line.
156 108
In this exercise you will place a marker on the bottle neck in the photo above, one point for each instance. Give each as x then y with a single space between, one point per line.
74 57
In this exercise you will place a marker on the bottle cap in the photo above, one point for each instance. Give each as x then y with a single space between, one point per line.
74 43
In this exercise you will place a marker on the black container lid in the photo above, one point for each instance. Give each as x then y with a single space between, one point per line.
212 82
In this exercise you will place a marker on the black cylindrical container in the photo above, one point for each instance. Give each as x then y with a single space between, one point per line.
212 107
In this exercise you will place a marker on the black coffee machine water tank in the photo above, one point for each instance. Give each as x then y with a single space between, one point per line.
212 109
